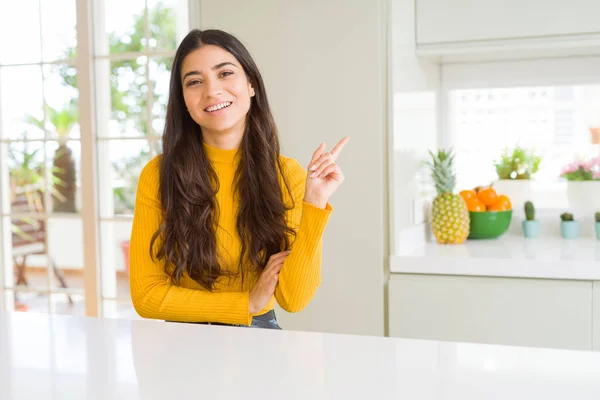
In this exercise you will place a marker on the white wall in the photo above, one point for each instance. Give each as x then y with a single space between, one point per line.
324 68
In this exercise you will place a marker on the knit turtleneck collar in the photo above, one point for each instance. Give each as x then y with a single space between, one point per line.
217 155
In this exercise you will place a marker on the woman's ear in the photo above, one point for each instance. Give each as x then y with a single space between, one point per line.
251 90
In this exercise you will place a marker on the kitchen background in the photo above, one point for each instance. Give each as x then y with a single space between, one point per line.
492 79
82 109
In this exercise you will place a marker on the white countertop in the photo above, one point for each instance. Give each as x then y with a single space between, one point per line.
61 357
509 256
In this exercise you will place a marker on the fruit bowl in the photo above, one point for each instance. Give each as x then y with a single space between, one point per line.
489 224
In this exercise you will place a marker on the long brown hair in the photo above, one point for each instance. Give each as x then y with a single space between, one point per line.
188 183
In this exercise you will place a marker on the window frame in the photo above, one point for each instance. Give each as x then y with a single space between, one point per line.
93 111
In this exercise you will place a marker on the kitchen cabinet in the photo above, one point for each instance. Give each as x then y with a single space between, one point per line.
509 311
452 21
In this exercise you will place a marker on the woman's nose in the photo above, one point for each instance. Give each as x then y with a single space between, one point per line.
212 89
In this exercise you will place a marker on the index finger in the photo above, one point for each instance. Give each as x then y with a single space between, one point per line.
338 147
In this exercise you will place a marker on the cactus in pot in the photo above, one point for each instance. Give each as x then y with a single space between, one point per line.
567 217
569 228
531 226
597 217
529 211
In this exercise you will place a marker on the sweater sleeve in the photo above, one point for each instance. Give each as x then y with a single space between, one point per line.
152 293
300 275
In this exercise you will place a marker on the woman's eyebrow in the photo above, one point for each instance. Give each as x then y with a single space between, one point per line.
220 65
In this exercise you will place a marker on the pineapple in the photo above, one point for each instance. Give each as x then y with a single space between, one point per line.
449 214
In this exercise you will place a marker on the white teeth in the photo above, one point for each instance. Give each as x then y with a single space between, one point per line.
218 106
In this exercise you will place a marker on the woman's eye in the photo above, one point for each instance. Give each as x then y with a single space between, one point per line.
225 73
193 82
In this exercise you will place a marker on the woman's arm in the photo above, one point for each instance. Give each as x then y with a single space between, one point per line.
301 273
151 291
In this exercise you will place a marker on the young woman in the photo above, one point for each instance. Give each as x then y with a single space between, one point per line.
224 225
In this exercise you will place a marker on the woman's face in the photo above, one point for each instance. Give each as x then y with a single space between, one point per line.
216 90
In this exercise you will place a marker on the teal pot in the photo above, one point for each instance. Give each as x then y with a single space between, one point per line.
598 230
531 229
569 229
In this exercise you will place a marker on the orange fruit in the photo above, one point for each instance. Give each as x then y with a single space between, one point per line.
504 201
468 194
488 196
498 207
475 205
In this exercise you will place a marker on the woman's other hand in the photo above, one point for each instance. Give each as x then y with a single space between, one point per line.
264 288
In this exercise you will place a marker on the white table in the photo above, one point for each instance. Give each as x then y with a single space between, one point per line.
61 357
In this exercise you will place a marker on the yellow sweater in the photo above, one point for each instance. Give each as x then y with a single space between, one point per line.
153 294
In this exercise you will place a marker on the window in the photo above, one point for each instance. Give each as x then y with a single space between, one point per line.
40 152
41 236
557 121
550 105
133 58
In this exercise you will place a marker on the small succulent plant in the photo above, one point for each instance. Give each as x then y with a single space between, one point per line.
529 211
598 216
567 217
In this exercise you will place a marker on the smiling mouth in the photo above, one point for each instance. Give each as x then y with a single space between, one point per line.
218 107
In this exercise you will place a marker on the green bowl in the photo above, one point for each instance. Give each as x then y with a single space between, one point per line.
489 224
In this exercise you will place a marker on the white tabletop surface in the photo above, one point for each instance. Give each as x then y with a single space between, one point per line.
62 357
543 258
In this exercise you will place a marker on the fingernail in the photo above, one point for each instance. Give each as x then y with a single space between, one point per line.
313 174
312 168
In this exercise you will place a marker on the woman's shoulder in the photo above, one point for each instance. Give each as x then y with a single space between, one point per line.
294 175
150 172
292 169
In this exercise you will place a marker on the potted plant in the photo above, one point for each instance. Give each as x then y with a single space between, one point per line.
598 225
569 228
64 191
583 184
531 226
515 170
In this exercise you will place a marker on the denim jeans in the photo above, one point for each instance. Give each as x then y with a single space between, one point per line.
265 321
